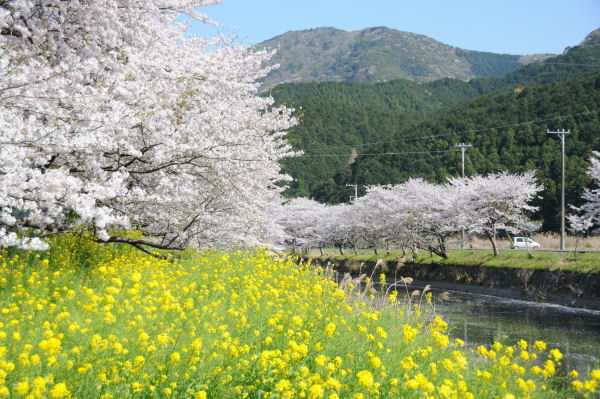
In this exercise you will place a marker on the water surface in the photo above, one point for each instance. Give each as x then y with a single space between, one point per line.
482 319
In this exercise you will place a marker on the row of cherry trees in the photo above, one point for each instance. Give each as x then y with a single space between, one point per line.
416 214
112 118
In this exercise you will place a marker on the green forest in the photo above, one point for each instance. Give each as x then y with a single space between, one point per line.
388 132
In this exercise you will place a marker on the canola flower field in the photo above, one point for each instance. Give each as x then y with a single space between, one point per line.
88 321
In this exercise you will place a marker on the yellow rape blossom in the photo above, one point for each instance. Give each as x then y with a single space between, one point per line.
365 378
245 323
60 391
329 329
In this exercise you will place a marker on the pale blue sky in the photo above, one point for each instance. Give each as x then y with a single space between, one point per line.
500 26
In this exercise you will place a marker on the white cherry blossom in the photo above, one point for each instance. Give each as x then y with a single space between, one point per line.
588 215
112 119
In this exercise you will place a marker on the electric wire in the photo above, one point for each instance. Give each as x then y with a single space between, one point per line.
459 133
543 62
379 153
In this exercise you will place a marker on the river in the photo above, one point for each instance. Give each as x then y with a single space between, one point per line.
481 319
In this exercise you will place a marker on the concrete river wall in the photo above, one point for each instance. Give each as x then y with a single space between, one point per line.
581 290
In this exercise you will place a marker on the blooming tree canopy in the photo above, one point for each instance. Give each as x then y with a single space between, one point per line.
417 214
413 214
337 226
112 119
302 220
497 202
588 214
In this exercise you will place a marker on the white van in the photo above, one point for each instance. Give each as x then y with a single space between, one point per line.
523 243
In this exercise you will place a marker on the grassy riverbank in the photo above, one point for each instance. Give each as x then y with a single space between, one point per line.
83 320
553 261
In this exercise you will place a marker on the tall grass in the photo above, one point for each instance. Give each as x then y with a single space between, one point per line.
546 241
89 321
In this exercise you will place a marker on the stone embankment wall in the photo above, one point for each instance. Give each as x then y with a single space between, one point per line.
559 287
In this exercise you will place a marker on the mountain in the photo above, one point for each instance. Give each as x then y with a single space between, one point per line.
377 55
592 39
409 97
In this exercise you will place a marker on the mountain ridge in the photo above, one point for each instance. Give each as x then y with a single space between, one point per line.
402 95
592 38
379 54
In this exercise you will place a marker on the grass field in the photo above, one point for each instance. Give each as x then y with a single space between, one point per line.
588 262
546 241
90 321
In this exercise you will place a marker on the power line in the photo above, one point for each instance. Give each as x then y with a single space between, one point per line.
459 133
375 154
542 62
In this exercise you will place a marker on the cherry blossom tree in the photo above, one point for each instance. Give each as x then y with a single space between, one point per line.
383 210
302 219
415 214
311 224
497 202
336 227
442 215
112 119
588 215
369 217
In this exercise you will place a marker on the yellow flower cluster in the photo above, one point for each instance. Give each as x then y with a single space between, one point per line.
587 387
84 320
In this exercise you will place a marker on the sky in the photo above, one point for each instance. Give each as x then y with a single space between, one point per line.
499 26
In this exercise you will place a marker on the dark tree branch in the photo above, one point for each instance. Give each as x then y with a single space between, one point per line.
142 244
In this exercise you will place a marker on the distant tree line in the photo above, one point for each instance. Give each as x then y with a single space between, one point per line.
415 214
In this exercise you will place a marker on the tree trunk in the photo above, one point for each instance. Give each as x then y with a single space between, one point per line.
375 250
341 248
492 238
415 250
439 251
321 250
354 248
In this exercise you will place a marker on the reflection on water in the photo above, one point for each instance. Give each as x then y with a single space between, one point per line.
481 319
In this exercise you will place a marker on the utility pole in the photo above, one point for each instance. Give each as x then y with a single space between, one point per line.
352 199
463 147
561 134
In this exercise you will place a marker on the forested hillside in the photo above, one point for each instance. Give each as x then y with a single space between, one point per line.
403 95
332 123
577 60
507 130
399 95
